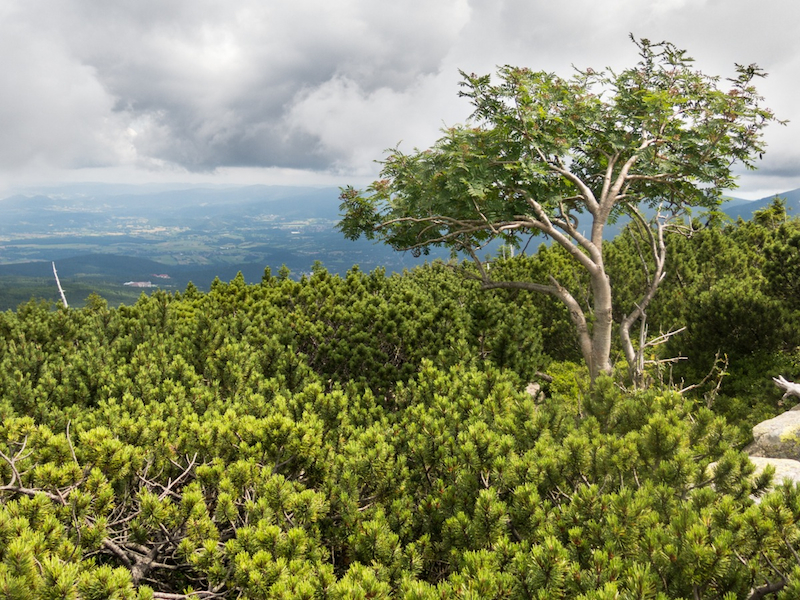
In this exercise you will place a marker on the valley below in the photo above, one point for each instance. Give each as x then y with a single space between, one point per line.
121 241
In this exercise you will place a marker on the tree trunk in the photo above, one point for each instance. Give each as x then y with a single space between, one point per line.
602 327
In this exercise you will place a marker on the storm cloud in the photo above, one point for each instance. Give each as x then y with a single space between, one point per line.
202 86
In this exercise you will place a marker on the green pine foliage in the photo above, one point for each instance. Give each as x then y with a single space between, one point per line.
367 436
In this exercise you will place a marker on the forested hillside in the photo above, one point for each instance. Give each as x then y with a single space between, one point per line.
371 436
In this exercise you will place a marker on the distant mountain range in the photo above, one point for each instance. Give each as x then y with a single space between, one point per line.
737 207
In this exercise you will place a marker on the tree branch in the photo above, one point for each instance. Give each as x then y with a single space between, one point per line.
658 249
591 261
586 193
576 313
768 588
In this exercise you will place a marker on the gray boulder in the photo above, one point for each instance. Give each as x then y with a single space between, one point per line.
778 437
776 441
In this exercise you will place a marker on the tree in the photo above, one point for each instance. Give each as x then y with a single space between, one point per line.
774 215
563 158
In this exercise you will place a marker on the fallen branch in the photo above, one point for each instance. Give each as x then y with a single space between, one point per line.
198 594
60 289
789 387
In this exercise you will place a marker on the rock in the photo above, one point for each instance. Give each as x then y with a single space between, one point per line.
776 442
534 389
778 437
785 468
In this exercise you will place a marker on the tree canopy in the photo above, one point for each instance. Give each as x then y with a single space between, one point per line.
563 158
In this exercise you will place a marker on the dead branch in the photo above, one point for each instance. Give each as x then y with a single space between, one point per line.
16 486
198 594
768 588
789 388
118 552
720 367
168 489
71 447
664 337
60 289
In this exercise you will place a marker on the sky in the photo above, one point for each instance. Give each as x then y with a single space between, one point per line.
312 92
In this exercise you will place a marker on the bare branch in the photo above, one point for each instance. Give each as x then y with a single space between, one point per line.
590 261
716 368
586 193
657 177
60 289
607 202
192 596
16 486
168 489
118 552
768 588
33 492
14 472
478 263
71 448
789 388
489 224
658 249
656 341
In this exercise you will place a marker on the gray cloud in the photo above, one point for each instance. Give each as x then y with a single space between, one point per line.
197 85
208 87
209 84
